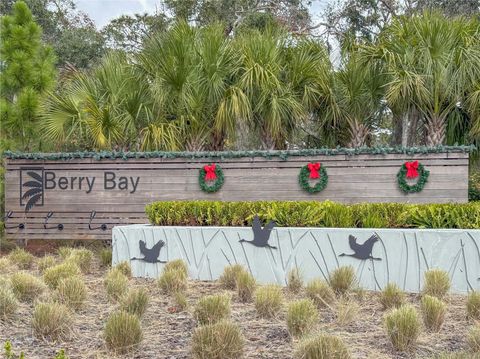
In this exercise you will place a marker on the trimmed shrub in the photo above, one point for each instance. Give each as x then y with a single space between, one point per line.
268 301
302 316
212 309
72 292
135 302
51 320
343 279
124 268
173 281
46 262
392 296
21 258
323 346
222 340
53 275
177 264
436 283
433 312
473 305
122 332
473 338
294 280
8 303
82 257
116 284
320 293
26 287
245 286
106 257
403 327
228 279
346 311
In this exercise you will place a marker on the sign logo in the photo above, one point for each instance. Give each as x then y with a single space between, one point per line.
31 187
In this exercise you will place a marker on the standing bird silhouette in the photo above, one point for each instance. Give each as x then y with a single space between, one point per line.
150 254
364 250
260 235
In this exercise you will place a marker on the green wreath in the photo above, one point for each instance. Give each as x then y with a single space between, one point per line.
304 177
208 184
417 187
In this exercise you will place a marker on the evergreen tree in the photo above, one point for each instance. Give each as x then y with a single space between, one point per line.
26 71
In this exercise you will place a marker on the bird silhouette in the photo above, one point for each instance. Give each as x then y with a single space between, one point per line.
150 255
362 251
260 235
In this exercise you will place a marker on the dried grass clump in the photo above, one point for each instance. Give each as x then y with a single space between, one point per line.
21 258
323 346
46 262
433 312
173 281
246 284
347 311
457 355
72 292
122 332
302 316
320 293
403 327
8 303
82 257
343 279
135 302
180 301
106 257
392 296
124 268
268 301
53 275
51 320
212 309
436 283
116 284
64 251
473 305
473 338
26 287
5 265
222 340
228 279
294 280
177 264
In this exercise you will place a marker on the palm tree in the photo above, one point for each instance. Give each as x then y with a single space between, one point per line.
432 64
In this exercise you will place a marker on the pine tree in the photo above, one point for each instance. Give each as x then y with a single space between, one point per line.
26 71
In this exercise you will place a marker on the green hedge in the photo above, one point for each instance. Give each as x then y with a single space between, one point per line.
315 214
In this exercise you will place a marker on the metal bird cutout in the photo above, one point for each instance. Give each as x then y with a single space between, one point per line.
260 235
364 250
150 254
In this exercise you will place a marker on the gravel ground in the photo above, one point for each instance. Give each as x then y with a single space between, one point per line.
168 335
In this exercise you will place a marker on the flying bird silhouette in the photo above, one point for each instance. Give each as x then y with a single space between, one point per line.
150 254
260 235
364 250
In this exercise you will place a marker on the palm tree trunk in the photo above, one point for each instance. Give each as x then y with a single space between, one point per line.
358 134
435 130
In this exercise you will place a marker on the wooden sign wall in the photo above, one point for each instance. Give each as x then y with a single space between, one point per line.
118 189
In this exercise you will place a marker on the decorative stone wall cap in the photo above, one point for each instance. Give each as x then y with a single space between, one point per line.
237 154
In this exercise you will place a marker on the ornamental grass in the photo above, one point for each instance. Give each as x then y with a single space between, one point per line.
322 346
392 296
343 279
51 321
294 280
436 283
246 284
268 301
228 279
21 258
26 287
473 305
53 275
222 340
123 332
320 293
211 309
135 302
8 303
116 284
403 327
72 292
302 316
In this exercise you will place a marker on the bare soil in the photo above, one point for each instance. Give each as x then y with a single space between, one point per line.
167 334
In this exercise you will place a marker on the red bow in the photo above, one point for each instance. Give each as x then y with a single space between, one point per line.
412 169
210 172
313 168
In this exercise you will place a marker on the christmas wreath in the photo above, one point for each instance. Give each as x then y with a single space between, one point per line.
211 178
316 172
411 170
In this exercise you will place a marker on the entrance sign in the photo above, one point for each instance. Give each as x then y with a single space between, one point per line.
90 193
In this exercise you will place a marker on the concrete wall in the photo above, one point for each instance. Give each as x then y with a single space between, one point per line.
403 254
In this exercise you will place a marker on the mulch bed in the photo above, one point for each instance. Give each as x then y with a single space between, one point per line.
168 335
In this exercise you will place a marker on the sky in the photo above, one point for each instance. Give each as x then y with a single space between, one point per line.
102 11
